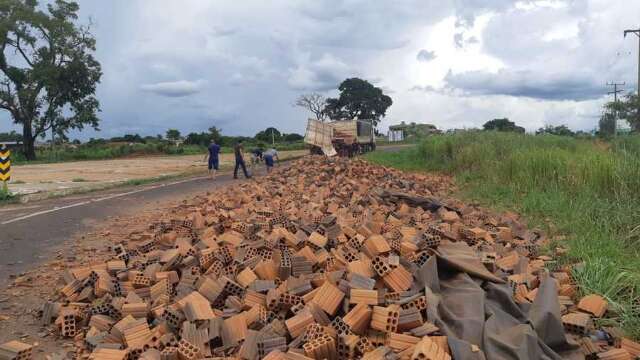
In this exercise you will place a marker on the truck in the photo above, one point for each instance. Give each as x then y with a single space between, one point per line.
340 137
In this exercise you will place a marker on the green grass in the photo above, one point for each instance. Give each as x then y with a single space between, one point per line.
6 197
79 180
585 189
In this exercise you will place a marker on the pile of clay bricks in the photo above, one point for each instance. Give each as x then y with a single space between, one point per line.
311 262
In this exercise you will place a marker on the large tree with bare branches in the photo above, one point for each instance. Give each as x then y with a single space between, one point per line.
313 102
48 74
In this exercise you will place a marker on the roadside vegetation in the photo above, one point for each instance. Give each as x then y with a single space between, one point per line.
134 145
6 196
582 191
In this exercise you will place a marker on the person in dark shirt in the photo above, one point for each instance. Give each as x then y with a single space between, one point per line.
214 162
238 149
256 156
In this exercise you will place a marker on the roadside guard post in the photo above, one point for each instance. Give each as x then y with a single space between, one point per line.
5 165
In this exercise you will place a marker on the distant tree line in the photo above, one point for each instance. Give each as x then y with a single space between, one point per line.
504 124
202 138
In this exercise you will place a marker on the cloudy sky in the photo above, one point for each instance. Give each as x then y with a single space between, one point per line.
239 65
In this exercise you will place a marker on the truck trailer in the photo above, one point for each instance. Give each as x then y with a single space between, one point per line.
340 137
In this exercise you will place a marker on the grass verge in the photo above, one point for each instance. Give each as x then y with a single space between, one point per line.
6 197
585 190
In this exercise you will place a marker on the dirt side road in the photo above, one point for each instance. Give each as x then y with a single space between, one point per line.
73 176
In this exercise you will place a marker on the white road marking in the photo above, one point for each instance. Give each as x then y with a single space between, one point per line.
58 208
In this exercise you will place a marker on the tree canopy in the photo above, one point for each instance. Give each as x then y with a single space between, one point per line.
293 137
628 108
269 134
313 102
502 125
358 99
173 134
560 130
203 138
607 124
130 138
48 74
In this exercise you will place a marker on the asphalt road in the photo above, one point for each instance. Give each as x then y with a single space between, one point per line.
30 232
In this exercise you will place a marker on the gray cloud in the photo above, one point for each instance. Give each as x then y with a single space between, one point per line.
524 83
322 74
468 10
425 88
174 88
256 57
426 55
457 39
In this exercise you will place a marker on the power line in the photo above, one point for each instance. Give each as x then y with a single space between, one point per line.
637 32
615 89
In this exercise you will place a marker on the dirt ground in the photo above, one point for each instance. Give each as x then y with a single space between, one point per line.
67 177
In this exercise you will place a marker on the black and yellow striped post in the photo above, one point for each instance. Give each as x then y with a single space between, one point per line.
5 166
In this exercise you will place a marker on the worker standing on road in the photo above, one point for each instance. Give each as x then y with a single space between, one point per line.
238 149
214 162
269 157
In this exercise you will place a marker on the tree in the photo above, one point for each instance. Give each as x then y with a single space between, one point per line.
560 130
502 125
607 124
358 99
135 138
202 139
293 137
215 134
48 75
173 134
268 135
313 102
628 108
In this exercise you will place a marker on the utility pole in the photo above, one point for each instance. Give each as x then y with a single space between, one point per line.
615 100
615 90
637 32
273 138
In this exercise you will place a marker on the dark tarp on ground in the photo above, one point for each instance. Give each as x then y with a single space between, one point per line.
472 306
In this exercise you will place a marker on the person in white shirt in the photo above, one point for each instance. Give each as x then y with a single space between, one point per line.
269 157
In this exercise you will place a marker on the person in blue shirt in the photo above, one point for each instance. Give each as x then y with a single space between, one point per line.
214 162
